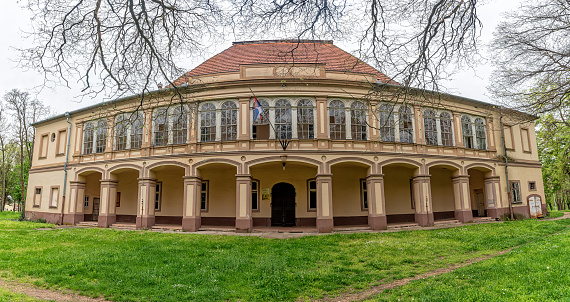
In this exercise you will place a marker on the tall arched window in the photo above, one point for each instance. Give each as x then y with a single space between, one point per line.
160 126
386 123
88 137
305 120
101 140
207 123
446 129
283 119
467 127
229 121
179 118
358 121
261 125
137 125
480 134
121 131
430 127
337 120
406 125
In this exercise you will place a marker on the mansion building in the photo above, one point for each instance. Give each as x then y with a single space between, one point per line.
329 149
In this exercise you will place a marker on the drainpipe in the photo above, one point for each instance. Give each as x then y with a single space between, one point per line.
506 166
65 167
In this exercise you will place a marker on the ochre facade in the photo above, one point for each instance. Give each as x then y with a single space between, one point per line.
210 165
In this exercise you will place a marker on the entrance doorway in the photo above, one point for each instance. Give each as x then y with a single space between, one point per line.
480 201
95 214
283 205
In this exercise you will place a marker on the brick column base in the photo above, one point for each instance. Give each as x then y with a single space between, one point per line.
73 218
244 225
145 222
325 225
424 219
106 221
464 215
191 224
378 222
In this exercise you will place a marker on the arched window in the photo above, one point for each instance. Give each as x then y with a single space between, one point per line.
337 120
88 137
207 123
179 119
480 134
467 128
101 140
305 120
358 121
445 124
160 126
406 125
283 120
430 127
261 125
229 121
121 131
386 123
137 125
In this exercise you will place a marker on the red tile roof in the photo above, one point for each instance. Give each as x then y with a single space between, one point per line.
284 52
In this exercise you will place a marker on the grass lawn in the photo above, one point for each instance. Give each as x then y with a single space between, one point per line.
8 296
555 214
539 271
148 266
8 221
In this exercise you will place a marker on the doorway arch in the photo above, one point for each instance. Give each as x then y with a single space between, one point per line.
283 205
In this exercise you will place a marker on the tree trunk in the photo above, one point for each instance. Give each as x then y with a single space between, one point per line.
3 193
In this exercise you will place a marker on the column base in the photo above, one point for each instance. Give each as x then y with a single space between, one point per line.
191 224
424 220
106 221
378 222
73 218
244 225
325 225
464 216
144 223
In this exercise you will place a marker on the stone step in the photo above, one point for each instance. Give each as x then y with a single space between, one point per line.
447 221
394 226
88 224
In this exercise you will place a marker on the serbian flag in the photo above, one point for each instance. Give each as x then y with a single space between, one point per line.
257 110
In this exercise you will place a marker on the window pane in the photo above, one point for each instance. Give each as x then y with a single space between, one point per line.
160 127
406 126
179 119
283 125
386 123
446 129
229 121
358 121
337 120
207 123
305 120
313 200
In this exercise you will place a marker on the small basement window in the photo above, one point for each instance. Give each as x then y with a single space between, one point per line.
532 185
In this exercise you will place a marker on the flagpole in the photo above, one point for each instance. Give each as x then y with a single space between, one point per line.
284 143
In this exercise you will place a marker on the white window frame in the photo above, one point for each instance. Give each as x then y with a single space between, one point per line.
269 109
129 131
218 119
170 113
95 125
474 131
395 112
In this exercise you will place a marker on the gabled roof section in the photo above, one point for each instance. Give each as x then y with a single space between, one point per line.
283 52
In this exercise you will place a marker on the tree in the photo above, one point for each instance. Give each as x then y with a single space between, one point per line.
3 137
533 61
125 47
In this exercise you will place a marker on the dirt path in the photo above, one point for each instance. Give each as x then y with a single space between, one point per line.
369 293
46 294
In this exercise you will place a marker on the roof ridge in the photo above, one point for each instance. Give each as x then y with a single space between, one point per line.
283 41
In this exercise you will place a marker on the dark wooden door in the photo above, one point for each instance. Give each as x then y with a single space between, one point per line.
95 209
283 205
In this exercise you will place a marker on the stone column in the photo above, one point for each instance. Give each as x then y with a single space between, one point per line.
495 208
146 198
243 119
373 120
457 131
418 125
78 139
107 215
490 134
75 204
324 203
109 147
244 221
376 202
147 129
462 198
191 219
422 200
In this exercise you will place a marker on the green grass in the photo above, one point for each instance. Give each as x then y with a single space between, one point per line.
8 221
9 296
148 266
539 271
555 214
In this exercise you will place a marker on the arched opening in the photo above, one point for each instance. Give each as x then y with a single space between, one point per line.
300 175
349 193
127 194
481 205
398 192
91 198
442 193
218 194
168 195
283 205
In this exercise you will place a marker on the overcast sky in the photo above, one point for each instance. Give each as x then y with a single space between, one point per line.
14 20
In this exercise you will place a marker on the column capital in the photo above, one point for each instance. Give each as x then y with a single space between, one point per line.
492 178
323 176
109 182
76 183
375 176
421 177
321 98
191 178
460 177
243 177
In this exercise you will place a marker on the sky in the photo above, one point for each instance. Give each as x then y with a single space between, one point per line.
14 20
